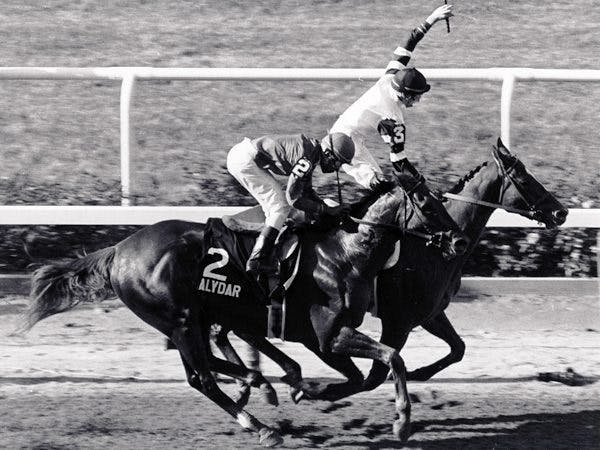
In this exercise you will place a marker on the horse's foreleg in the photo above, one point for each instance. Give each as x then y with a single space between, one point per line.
351 342
195 354
440 327
394 336
379 371
335 391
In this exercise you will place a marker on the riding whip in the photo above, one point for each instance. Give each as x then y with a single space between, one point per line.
447 19
337 172
339 186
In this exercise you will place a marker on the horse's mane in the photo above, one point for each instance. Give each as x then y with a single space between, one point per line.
359 208
380 206
460 184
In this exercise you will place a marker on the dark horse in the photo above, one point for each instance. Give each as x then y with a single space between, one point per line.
417 289
500 183
159 273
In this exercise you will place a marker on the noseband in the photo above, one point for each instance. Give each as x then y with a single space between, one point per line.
507 176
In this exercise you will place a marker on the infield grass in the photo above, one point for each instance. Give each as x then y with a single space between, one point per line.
61 138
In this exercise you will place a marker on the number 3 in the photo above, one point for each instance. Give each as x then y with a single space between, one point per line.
208 270
399 134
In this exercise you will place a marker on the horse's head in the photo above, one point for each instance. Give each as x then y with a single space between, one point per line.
523 194
424 215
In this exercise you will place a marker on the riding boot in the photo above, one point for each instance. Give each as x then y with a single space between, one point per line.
260 261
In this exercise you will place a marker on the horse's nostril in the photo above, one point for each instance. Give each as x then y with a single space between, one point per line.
560 215
460 245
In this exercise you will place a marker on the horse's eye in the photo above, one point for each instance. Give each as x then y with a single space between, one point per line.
429 209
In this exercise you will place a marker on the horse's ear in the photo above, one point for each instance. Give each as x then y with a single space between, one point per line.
500 149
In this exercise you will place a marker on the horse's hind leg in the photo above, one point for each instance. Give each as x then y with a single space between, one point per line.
248 377
351 342
293 377
194 349
293 372
219 336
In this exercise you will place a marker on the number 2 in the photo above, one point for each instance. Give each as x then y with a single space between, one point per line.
208 270
301 167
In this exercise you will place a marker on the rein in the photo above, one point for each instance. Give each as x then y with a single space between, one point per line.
389 226
462 198
339 186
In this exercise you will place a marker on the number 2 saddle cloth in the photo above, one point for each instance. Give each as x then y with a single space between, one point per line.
224 282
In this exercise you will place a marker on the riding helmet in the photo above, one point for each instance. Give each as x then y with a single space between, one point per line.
341 145
410 81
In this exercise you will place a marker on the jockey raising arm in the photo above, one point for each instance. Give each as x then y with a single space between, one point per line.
381 109
253 163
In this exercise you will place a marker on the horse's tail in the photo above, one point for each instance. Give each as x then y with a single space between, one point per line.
62 285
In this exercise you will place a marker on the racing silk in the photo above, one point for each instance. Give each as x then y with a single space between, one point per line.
295 156
379 110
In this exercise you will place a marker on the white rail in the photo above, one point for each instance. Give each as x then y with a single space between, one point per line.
146 215
129 76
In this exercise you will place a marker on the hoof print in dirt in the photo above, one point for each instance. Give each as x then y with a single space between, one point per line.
336 406
448 404
569 377
354 423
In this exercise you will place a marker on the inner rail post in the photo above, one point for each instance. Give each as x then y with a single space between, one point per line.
127 87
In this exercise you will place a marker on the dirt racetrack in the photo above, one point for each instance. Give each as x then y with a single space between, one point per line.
100 378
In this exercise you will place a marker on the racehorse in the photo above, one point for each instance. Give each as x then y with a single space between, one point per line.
161 274
500 183
418 288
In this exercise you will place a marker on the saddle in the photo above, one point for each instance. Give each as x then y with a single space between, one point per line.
287 257
251 221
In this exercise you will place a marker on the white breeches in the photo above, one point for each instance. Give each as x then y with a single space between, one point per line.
260 183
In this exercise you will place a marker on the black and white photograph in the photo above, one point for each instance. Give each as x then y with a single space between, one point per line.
299 224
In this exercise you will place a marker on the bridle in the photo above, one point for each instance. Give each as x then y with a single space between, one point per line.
507 176
435 239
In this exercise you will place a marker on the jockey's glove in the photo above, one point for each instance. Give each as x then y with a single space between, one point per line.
379 183
334 211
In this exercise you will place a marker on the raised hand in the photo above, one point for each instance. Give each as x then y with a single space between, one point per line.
441 13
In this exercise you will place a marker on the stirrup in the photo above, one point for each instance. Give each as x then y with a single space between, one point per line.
276 294
275 320
270 285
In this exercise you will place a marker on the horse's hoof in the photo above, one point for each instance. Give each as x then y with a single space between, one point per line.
296 394
269 438
401 430
268 394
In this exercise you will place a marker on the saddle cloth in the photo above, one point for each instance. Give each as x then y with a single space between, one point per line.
224 281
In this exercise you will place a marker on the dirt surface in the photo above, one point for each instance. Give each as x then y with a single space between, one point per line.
100 378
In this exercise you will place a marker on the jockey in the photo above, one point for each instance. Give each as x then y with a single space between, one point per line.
253 163
381 109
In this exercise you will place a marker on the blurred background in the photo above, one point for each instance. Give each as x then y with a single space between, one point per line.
61 138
